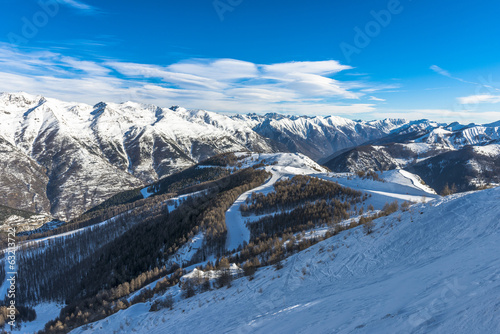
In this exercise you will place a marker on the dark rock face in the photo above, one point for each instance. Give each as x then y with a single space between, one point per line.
23 182
464 168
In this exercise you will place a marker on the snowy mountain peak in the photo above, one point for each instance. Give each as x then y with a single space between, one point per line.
20 100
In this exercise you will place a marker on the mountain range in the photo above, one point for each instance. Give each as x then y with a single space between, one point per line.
61 158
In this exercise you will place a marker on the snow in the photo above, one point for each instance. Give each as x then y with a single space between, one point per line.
282 165
418 148
45 240
291 163
400 186
174 202
44 313
171 202
416 181
211 274
397 187
436 270
491 150
5 284
237 231
187 251
145 192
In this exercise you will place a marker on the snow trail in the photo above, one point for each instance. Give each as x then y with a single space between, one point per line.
237 230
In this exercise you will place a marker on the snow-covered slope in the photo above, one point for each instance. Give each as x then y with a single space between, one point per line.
280 165
433 268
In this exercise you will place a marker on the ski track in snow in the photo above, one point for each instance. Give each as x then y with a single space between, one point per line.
237 230
398 187
288 165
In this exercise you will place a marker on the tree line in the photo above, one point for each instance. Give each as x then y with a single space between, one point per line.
289 193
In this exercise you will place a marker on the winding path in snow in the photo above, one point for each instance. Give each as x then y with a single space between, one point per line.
383 192
237 230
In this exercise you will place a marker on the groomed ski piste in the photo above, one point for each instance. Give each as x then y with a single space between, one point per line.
282 165
436 269
347 282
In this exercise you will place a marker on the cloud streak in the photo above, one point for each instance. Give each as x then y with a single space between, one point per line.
78 5
476 99
482 82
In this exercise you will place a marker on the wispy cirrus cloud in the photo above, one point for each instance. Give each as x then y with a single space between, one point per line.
441 115
79 5
481 82
441 71
373 98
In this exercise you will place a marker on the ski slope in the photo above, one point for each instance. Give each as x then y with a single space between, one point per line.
237 231
399 186
436 270
282 165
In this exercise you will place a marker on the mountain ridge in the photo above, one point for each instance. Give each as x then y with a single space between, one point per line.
88 153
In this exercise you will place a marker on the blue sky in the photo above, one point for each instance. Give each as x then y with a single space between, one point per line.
352 58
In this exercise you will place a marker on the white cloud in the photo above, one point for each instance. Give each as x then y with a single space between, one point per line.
441 71
482 82
381 87
316 85
476 99
221 69
441 115
311 67
76 4
373 98
153 71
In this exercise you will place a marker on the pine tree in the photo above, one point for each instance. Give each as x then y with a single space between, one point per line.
446 190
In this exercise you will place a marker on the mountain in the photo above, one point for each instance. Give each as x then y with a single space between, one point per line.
20 220
468 168
192 219
464 155
319 136
63 158
271 240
